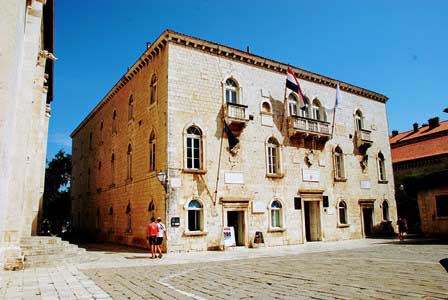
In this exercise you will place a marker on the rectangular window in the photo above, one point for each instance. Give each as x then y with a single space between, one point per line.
193 153
292 109
194 219
275 215
442 205
272 160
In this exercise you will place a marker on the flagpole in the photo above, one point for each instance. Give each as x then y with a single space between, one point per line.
219 167
284 110
334 110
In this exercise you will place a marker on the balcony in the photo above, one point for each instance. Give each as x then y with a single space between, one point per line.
363 139
235 115
306 127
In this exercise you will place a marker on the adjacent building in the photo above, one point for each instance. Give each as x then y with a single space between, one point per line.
286 171
26 91
420 163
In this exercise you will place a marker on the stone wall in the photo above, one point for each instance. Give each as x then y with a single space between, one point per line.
23 121
99 207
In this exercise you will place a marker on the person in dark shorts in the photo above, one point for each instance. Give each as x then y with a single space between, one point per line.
152 231
402 227
162 230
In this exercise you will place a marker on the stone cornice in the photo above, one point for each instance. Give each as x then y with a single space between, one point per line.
169 36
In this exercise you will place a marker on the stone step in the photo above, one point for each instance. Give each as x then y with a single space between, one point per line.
47 251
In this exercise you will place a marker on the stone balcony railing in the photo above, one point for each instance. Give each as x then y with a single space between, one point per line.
363 139
235 114
308 127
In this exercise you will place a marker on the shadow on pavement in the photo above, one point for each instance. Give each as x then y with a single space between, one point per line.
111 248
416 241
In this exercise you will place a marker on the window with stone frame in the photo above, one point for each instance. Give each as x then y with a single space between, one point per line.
114 122
129 163
318 112
131 108
359 120
193 148
195 216
339 167
276 212
153 90
385 208
273 157
441 206
342 213
232 92
112 167
152 151
292 105
305 108
381 168
128 218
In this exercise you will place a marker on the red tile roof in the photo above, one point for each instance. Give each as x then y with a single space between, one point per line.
425 142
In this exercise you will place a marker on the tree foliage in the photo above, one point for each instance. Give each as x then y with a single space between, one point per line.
57 187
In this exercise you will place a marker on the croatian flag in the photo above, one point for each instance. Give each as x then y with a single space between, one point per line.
292 83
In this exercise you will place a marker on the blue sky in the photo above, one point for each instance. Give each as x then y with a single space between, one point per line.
397 48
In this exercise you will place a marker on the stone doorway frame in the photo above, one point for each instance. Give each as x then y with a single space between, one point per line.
237 204
366 203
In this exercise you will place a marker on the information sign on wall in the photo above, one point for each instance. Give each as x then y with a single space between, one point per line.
365 184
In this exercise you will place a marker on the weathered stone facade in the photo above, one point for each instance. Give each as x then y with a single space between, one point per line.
290 196
26 74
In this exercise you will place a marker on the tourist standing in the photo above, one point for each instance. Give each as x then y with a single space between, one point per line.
402 227
160 234
152 231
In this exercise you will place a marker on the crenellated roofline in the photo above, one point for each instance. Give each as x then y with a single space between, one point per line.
169 36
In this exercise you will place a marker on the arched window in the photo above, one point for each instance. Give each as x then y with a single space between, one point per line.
381 168
359 122
385 210
339 169
276 214
317 110
152 152
292 104
112 167
128 218
131 108
195 216
101 131
151 206
90 140
129 162
114 122
342 212
305 108
231 91
88 178
266 108
273 156
153 90
193 148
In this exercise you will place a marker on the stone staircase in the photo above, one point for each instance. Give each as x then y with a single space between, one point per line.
50 251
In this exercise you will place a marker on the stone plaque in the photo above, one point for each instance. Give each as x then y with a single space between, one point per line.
311 175
258 207
233 178
365 184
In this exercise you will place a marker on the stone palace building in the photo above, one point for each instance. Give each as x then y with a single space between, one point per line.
298 173
26 91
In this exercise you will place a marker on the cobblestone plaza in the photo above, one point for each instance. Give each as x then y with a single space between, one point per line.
362 269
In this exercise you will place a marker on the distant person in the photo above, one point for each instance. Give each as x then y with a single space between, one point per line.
402 227
152 231
160 234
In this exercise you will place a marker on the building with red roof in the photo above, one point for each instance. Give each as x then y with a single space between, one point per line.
420 163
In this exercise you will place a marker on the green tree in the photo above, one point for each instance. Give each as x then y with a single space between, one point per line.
57 204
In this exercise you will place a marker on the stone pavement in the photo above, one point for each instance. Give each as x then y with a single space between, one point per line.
359 269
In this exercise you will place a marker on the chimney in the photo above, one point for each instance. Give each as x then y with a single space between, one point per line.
248 49
433 123
394 133
415 125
